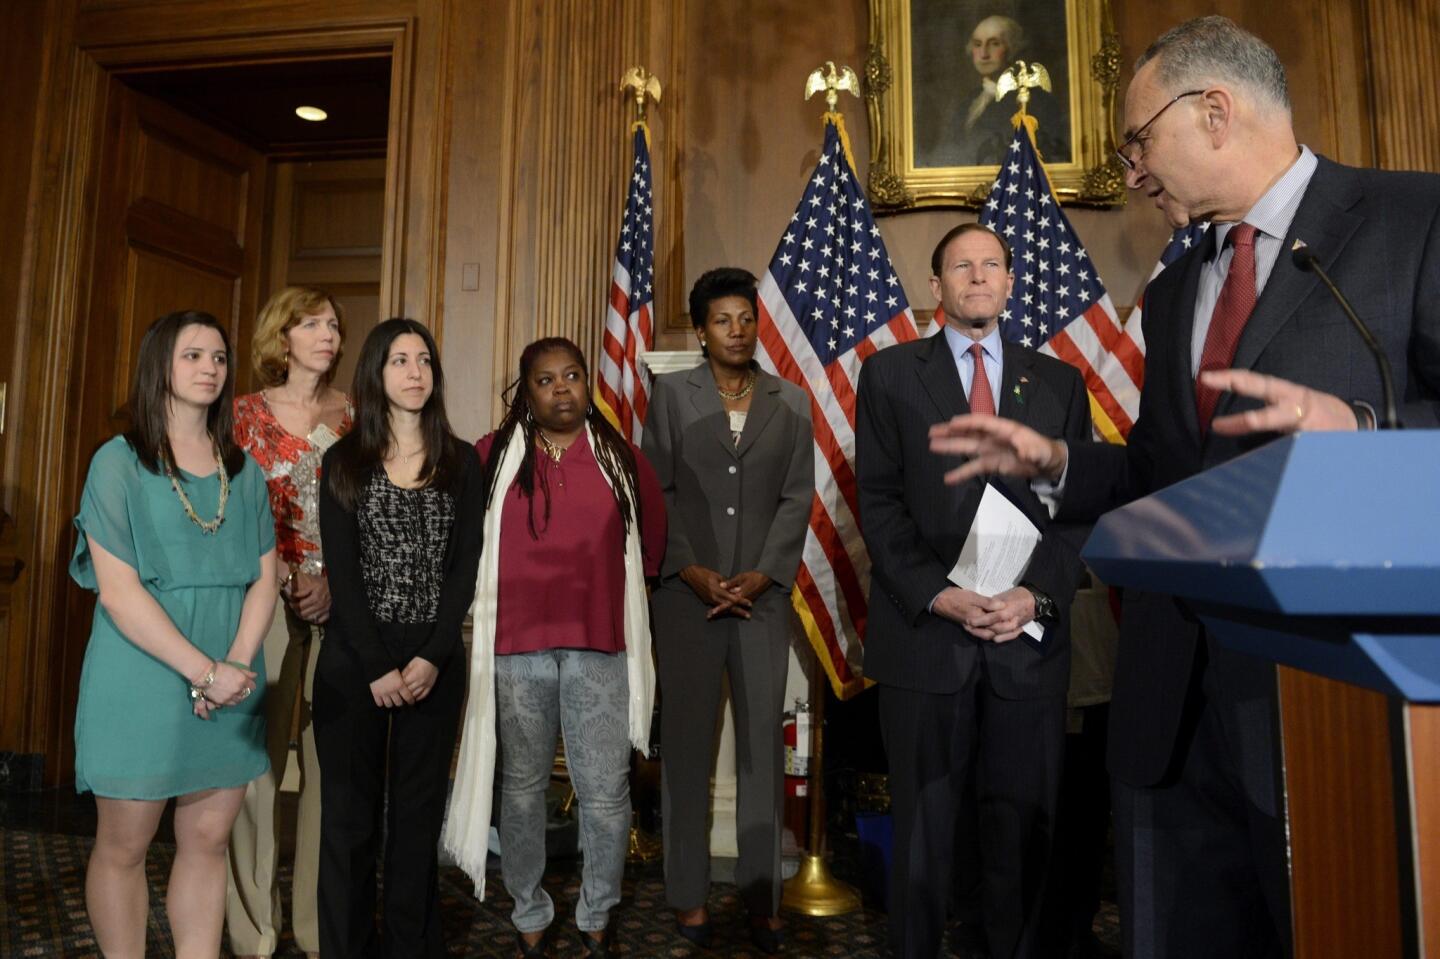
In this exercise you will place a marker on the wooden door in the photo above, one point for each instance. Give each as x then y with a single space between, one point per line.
179 213
327 229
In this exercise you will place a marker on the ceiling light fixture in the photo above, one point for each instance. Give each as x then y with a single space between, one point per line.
314 114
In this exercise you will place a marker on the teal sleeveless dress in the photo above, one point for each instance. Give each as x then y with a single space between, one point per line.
135 734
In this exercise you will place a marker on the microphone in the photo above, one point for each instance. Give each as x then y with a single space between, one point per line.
1301 256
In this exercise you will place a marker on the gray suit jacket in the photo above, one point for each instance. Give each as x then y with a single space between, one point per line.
1378 235
914 524
732 508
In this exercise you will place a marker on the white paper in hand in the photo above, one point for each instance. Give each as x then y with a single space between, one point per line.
997 550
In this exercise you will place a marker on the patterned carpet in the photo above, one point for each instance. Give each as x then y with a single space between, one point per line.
43 911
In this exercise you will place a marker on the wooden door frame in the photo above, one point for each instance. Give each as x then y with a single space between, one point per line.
49 464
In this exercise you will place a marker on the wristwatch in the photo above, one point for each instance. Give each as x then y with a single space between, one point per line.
1045 611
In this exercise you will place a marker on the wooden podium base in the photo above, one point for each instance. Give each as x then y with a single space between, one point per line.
1362 782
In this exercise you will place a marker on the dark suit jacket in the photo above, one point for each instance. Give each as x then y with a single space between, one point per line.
1378 234
914 524
732 507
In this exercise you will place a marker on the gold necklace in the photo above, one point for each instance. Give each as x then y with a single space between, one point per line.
738 394
551 450
213 525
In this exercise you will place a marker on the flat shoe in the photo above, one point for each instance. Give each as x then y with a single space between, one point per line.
698 934
526 951
765 939
597 947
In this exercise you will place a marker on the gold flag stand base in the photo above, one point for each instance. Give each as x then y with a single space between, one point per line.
814 892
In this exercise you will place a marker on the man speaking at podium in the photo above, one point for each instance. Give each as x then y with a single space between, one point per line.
1242 344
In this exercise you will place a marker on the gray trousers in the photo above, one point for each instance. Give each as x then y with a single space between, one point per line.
694 657
585 694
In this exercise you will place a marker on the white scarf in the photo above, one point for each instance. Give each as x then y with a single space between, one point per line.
466 835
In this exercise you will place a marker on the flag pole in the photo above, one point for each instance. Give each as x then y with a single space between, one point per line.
642 86
813 890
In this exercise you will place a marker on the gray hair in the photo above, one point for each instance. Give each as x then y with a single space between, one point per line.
1010 29
1208 49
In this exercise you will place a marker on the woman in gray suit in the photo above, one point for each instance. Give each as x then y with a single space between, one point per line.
732 446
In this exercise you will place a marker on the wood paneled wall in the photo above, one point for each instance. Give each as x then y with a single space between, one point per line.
561 144
1404 40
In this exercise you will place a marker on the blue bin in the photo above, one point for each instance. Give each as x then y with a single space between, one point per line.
877 841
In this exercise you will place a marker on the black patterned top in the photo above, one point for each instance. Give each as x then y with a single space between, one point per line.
403 535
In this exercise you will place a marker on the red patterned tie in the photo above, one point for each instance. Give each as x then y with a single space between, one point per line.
1232 309
982 400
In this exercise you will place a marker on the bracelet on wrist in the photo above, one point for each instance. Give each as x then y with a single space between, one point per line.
231 662
197 689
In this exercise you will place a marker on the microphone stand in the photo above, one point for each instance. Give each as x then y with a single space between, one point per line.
1301 256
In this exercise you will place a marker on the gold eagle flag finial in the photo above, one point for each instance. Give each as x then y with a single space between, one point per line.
1024 78
644 84
832 81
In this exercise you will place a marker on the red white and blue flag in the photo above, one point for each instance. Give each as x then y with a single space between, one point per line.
829 300
1182 241
1058 304
622 387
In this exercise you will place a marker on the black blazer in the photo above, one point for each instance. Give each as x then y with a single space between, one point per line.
351 624
1378 234
914 524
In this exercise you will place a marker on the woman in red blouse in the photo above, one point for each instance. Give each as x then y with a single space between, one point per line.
287 427
575 521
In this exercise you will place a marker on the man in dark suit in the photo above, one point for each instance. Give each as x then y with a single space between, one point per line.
960 694
1194 745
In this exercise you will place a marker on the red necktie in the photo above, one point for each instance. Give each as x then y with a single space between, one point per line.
1232 309
981 399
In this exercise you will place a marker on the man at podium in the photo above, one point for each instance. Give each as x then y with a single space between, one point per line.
1242 344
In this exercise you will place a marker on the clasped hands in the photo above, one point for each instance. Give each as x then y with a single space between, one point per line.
997 618
230 687
734 596
996 446
309 596
405 687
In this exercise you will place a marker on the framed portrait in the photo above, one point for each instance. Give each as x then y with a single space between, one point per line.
937 131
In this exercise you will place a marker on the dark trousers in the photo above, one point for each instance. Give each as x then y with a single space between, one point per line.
354 738
1201 867
1014 748
1083 824
693 666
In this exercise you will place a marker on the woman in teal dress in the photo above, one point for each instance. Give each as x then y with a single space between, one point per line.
177 537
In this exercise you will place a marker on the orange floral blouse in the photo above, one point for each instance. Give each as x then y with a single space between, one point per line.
291 465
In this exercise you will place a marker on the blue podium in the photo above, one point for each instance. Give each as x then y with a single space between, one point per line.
1321 552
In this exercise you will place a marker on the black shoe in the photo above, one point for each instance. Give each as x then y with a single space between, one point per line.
764 938
597 947
526 951
697 935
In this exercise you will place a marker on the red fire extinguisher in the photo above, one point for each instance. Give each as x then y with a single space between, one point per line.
796 727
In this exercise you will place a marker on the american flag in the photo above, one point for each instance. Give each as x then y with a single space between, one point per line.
622 388
830 300
1058 304
1181 242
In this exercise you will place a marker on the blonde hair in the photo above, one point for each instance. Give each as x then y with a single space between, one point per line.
269 350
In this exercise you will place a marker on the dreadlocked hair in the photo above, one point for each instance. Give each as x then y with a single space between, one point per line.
612 451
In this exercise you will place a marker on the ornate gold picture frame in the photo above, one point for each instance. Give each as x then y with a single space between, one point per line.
936 132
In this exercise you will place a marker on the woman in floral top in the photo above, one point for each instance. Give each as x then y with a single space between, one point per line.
287 427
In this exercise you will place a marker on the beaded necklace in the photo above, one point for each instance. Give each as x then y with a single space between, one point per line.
739 394
213 525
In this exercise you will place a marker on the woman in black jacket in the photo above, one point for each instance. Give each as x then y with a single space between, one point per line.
400 516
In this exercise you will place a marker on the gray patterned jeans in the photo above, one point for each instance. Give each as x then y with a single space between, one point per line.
536 695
